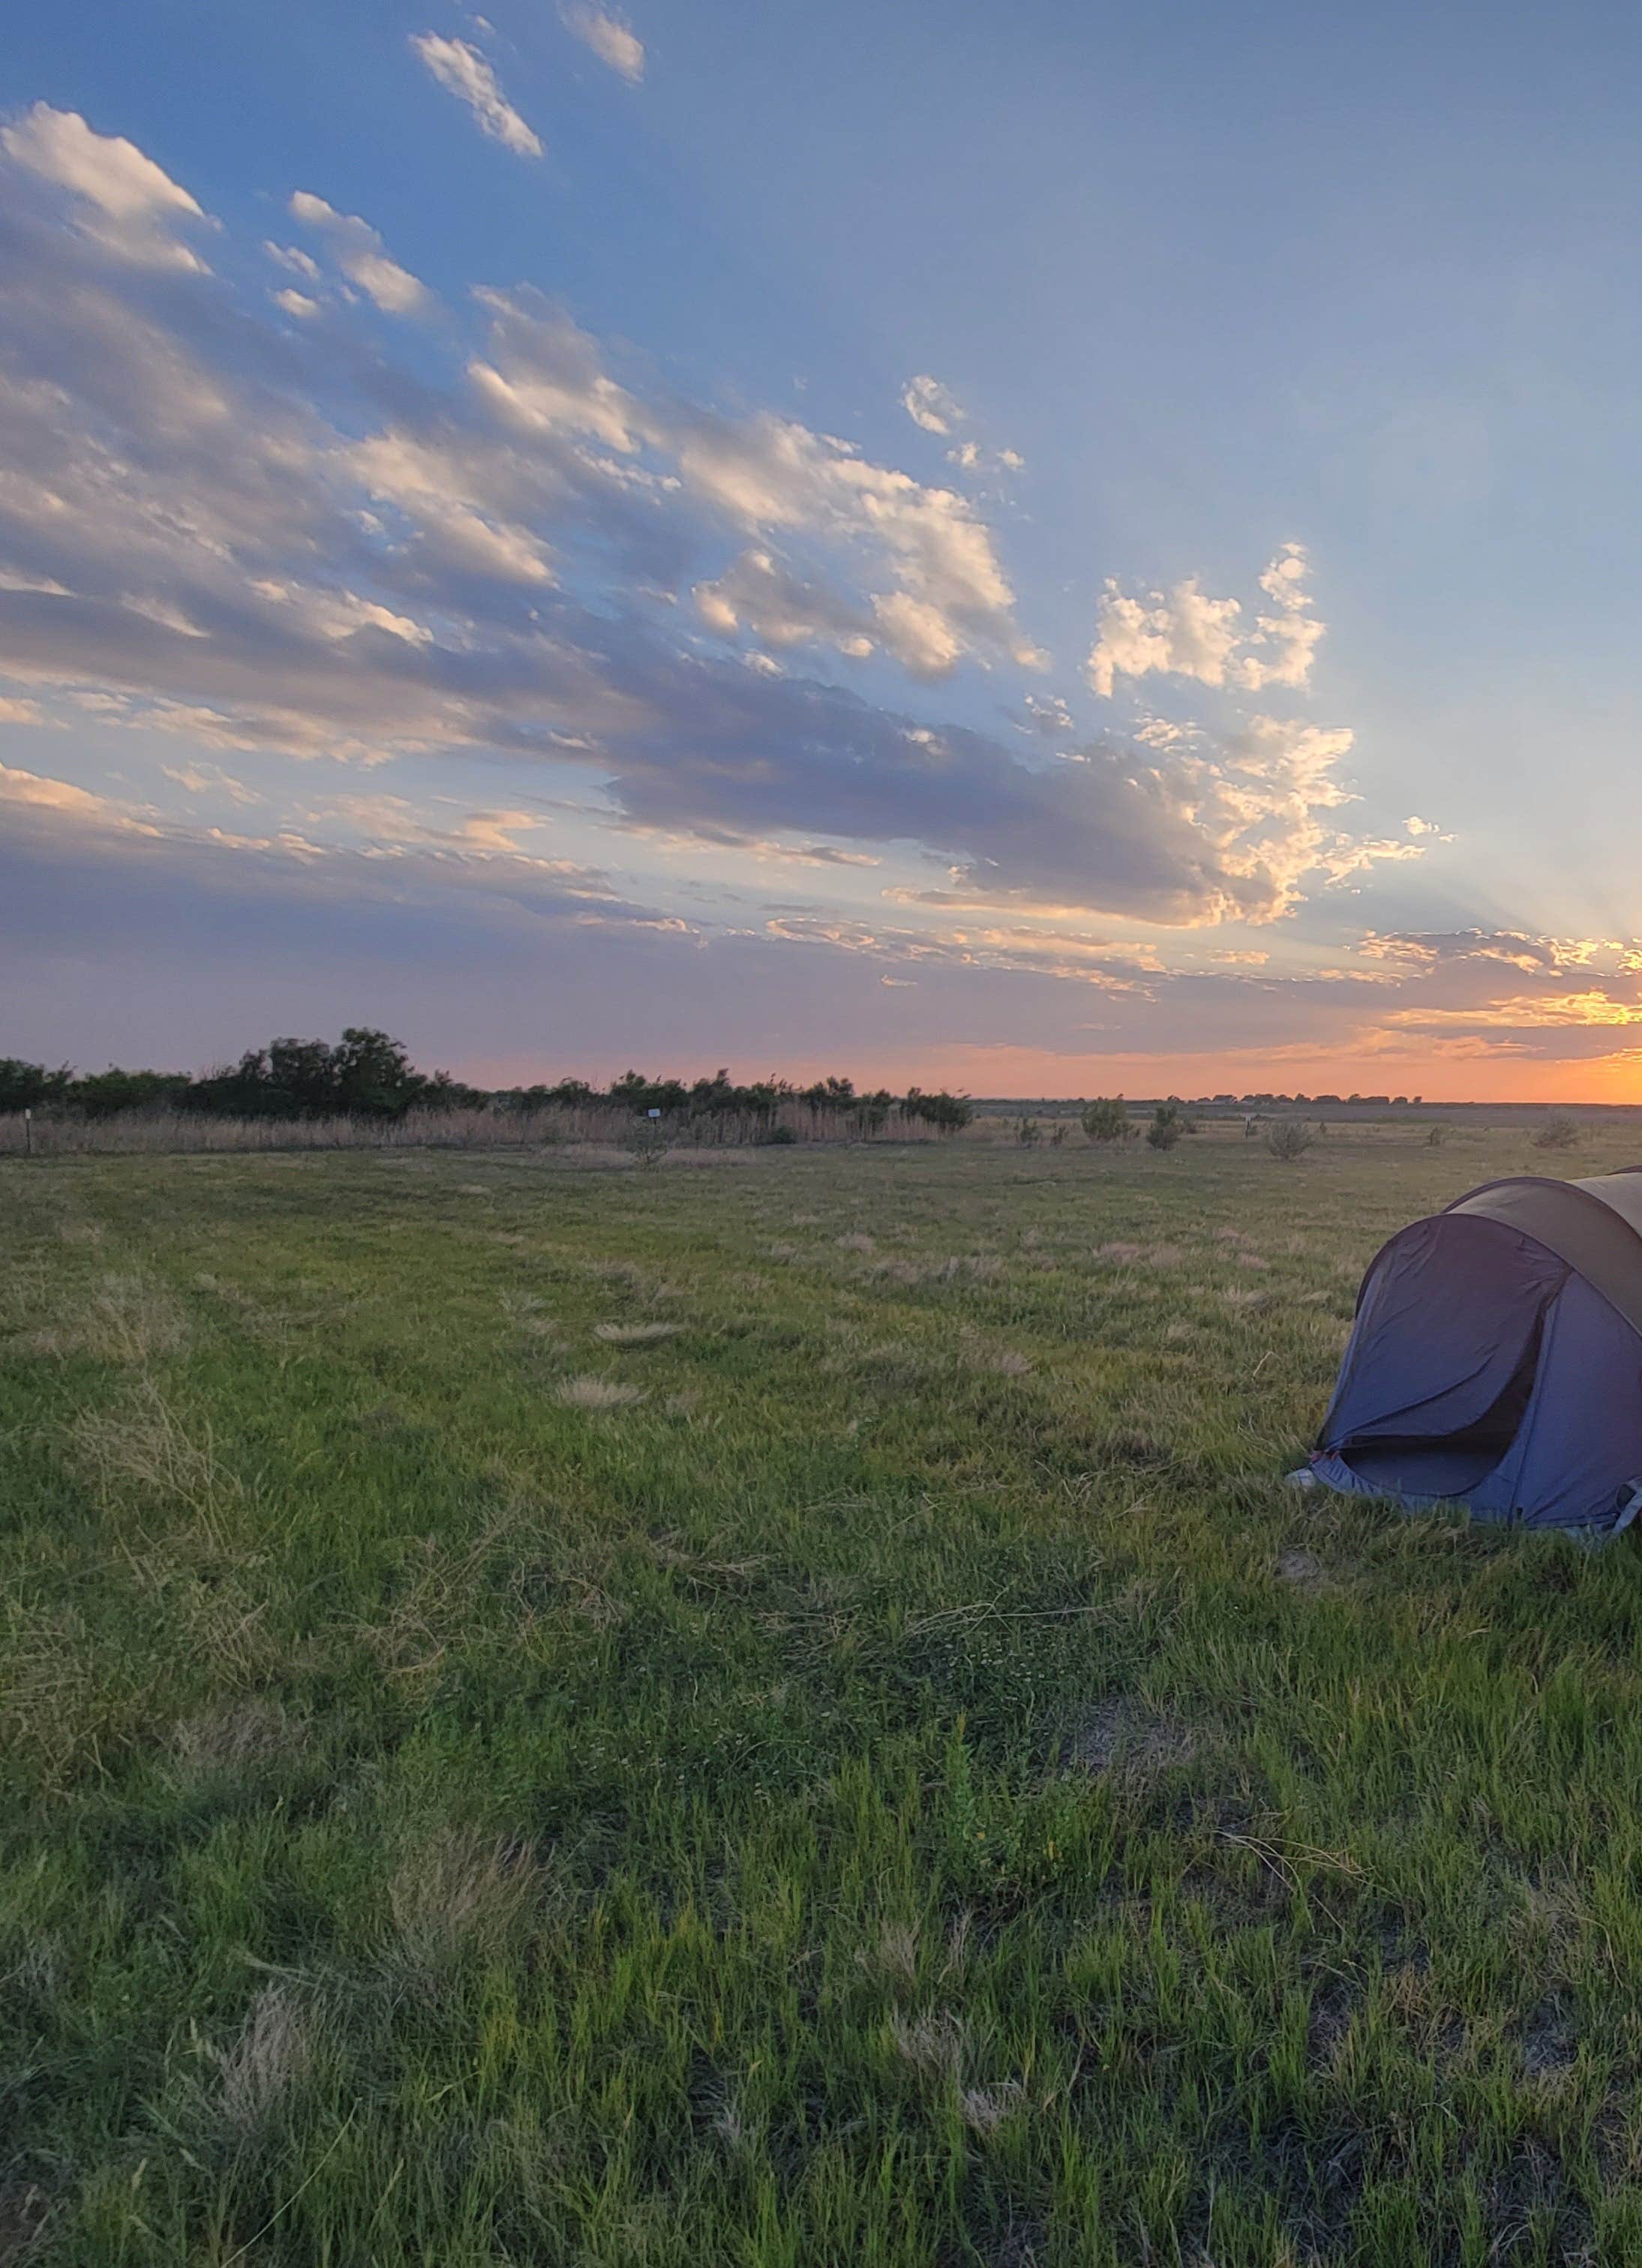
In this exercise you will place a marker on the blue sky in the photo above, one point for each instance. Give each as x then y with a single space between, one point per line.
1046 549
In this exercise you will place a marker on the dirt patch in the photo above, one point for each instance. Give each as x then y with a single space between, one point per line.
1550 2041
1302 1570
1120 1734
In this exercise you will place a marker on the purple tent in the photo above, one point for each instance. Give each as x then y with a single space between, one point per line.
1496 1361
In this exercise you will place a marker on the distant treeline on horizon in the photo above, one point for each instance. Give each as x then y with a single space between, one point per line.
368 1074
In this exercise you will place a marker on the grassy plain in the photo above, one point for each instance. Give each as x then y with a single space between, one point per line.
776 1711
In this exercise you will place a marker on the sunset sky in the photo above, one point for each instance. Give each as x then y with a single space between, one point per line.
1039 548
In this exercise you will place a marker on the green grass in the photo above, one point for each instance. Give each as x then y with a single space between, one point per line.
900 1782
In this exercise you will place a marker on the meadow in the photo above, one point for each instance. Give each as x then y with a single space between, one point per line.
776 1710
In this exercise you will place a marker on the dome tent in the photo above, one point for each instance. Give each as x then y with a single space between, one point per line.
1496 1359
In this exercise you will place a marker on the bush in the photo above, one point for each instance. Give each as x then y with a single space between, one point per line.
1028 1133
1288 1138
1436 1136
1106 1119
1166 1127
1557 1132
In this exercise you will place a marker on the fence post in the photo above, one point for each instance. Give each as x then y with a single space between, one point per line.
28 1133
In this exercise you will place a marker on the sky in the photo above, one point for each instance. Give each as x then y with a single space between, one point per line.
1042 550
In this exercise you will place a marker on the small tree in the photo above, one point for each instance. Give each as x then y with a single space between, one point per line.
1288 1138
1106 1119
1557 1132
1028 1133
1166 1128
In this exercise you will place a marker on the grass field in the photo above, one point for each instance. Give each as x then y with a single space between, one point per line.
777 1712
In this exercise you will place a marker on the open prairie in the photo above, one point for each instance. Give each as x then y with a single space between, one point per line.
777 1711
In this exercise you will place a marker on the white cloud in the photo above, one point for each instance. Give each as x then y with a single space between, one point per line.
612 41
361 255
464 72
297 304
1185 633
930 404
918 634
20 712
135 202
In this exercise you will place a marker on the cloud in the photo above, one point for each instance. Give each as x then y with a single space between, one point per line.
1185 633
33 789
928 403
14 711
361 256
134 204
516 546
758 593
610 39
464 72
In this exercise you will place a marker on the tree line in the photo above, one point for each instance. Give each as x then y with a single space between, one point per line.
368 1074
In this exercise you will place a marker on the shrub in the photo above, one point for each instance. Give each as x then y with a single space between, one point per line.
1288 1138
1028 1133
1106 1119
1436 1136
1557 1132
1166 1128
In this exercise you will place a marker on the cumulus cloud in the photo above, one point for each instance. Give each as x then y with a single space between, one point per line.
611 39
130 204
361 256
464 72
1183 632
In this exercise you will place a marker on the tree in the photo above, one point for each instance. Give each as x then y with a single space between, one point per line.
1106 1120
948 1112
26 1085
1166 1126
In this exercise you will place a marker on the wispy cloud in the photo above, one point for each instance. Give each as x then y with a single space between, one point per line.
464 72
931 405
611 39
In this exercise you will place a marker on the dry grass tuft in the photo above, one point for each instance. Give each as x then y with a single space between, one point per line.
857 1240
273 2051
984 2109
142 1446
933 2044
255 1732
129 1319
895 1955
590 1392
636 1333
461 1894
